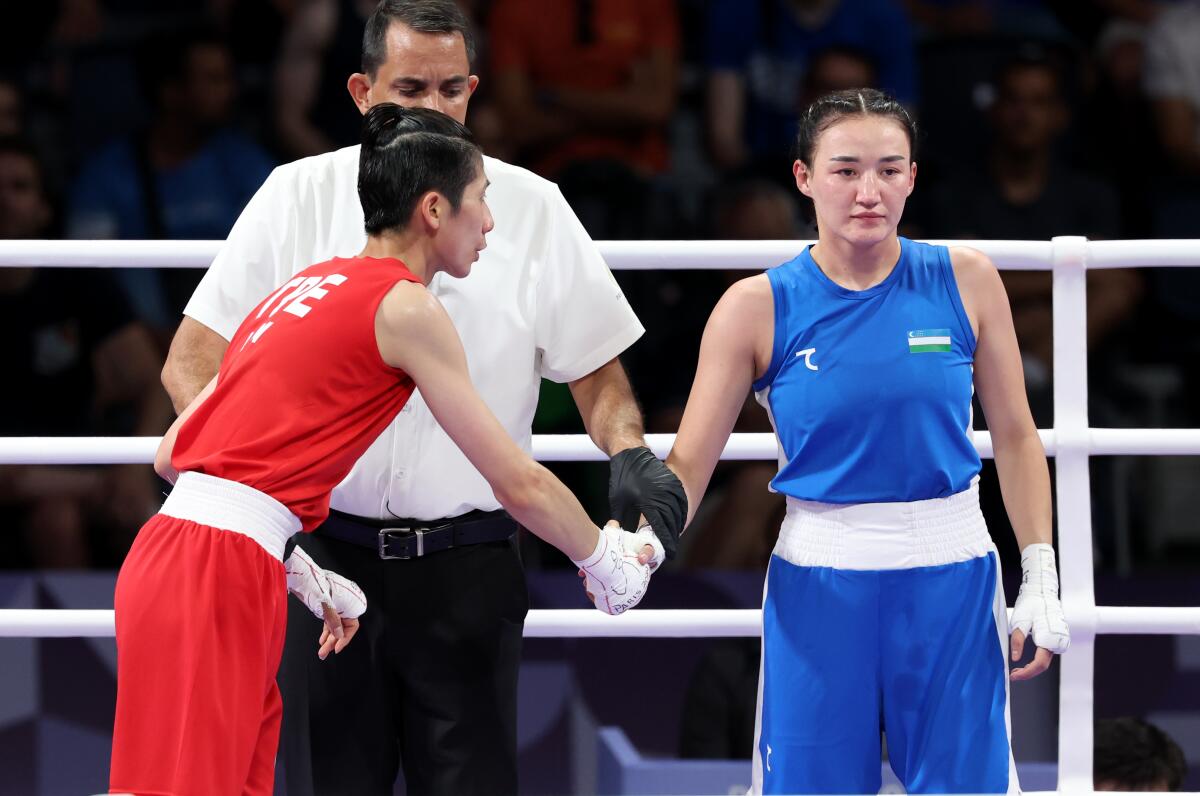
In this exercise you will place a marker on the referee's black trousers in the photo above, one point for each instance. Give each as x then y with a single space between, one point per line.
428 683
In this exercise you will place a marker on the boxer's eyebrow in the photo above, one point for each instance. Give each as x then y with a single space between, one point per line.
855 159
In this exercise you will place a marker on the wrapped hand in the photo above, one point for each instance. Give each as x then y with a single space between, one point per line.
336 601
1038 612
614 577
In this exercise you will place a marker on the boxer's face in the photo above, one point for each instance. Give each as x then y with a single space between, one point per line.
463 233
422 70
860 178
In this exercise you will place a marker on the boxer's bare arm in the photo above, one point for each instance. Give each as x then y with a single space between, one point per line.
162 457
735 349
1020 459
193 360
1000 384
416 335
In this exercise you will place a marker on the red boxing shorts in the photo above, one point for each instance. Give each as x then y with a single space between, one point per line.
201 611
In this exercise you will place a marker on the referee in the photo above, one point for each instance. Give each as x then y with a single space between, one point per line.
431 683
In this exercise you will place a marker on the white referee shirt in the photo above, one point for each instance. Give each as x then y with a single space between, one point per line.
540 302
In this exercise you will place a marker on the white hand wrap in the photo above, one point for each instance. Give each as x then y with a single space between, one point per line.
1038 608
614 578
314 586
646 536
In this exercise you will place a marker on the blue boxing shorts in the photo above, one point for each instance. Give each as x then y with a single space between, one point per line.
884 617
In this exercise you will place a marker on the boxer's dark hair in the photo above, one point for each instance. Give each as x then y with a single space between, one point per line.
407 152
826 111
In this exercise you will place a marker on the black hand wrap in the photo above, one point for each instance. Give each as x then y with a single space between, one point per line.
640 484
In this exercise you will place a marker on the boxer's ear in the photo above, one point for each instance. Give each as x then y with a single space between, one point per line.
431 210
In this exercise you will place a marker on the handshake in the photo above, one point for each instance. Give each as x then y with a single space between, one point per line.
617 573
644 494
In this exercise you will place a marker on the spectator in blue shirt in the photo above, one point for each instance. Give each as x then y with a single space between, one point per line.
186 176
758 54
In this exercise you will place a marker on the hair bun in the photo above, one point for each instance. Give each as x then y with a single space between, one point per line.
387 120
380 119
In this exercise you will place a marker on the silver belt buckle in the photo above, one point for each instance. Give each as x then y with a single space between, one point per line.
385 533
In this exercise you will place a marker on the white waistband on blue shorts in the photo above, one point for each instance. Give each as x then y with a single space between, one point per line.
230 506
874 536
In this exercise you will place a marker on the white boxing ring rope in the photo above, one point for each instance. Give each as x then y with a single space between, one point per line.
589 623
1071 441
579 447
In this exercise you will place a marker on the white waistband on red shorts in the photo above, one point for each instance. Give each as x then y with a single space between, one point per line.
230 506
874 536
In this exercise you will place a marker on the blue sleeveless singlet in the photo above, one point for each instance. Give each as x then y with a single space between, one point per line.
870 390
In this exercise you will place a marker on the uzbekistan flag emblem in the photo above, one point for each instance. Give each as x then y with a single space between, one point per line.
921 341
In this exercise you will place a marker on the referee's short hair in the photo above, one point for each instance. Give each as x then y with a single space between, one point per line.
423 16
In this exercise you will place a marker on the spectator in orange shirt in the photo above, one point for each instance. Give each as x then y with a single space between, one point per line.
586 89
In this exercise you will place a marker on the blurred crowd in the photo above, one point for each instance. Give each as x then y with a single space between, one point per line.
659 119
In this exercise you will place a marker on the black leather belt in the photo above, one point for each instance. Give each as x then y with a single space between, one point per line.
405 539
